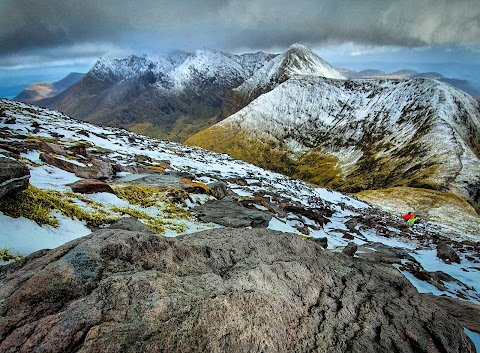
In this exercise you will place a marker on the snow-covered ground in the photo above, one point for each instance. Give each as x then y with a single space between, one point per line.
24 236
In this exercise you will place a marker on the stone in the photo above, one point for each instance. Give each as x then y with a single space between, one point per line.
52 148
229 213
467 313
323 241
14 176
350 249
98 169
80 149
446 253
319 215
385 254
131 224
220 188
90 186
221 290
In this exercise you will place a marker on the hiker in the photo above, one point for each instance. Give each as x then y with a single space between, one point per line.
408 216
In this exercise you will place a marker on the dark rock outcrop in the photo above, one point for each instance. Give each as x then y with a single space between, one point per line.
223 290
229 213
446 253
14 176
90 186
132 224
350 249
467 313
52 148
99 169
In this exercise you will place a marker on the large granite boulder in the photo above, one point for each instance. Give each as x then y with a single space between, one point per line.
222 290
90 186
14 176
229 213
98 169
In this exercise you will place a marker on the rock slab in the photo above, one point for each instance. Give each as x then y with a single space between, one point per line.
14 176
229 213
222 290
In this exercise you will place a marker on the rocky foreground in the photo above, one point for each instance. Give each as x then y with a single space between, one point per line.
221 290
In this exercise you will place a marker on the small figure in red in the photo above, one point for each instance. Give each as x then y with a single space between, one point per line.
408 216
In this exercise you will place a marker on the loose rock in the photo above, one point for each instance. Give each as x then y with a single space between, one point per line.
14 176
229 213
446 253
90 186
350 249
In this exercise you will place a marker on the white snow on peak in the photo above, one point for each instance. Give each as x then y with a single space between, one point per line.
297 60
178 69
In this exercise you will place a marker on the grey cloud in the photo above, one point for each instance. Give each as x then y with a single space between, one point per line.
258 24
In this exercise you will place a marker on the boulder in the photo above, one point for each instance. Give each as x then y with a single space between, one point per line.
350 249
98 169
319 215
446 253
220 188
467 313
229 213
131 224
14 176
222 290
90 186
52 148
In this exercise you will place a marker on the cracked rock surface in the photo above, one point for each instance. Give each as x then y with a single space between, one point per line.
221 290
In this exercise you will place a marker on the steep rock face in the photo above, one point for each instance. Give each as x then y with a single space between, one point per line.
219 290
358 135
163 96
298 60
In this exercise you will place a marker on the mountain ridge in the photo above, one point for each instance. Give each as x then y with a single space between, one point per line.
361 134
157 95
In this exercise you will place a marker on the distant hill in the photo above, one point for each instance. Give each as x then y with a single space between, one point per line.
43 90
463 85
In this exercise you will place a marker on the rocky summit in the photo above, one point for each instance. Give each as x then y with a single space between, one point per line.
222 290
260 262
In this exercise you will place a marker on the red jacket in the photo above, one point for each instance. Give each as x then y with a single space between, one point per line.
408 216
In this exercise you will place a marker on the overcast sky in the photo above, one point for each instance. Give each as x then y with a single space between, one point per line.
56 33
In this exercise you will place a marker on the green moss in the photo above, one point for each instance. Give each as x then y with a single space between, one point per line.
140 195
37 205
131 212
318 168
6 255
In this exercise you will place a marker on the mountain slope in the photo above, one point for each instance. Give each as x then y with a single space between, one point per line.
168 96
172 189
44 90
359 135
297 60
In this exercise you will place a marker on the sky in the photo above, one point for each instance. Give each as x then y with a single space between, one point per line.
47 39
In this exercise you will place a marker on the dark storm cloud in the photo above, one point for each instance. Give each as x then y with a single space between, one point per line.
28 25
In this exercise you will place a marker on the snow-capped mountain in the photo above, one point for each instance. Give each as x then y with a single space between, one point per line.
359 135
297 60
172 95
